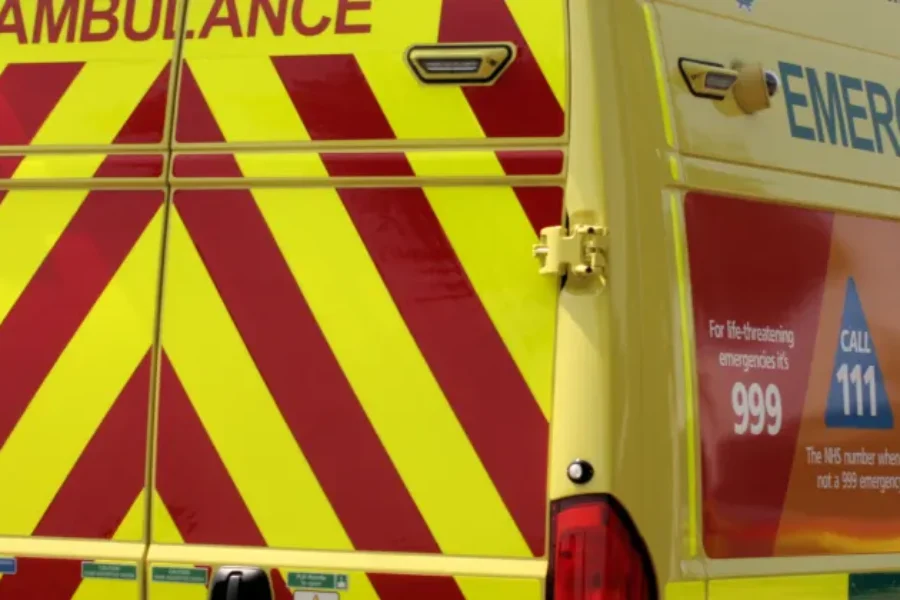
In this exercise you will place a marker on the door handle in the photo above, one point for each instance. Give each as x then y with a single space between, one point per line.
751 85
460 64
241 583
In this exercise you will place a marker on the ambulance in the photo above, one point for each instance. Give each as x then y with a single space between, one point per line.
449 299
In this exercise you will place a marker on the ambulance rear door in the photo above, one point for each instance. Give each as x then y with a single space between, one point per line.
357 347
83 122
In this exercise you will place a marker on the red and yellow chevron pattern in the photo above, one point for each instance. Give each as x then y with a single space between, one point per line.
296 276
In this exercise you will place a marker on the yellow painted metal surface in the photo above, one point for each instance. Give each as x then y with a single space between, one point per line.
125 48
823 119
612 375
722 150
864 25
802 587
102 75
685 590
221 41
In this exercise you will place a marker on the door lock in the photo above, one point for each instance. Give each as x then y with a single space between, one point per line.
751 85
240 583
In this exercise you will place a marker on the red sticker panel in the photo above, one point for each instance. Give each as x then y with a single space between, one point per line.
796 318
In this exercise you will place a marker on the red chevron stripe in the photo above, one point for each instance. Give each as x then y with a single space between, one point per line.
403 587
96 496
335 119
132 166
276 324
190 476
206 166
457 337
8 166
43 579
521 103
195 122
63 291
109 474
340 106
192 479
460 344
542 205
531 162
372 164
148 120
28 94
394 165
207 507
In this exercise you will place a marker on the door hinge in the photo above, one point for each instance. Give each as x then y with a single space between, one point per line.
581 251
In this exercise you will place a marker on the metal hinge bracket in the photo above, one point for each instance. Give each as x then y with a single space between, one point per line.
579 252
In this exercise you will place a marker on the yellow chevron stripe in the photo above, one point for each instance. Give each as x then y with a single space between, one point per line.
166 532
229 395
98 103
28 229
289 164
81 388
228 98
224 386
395 386
488 229
131 528
499 588
463 163
30 224
544 26
253 107
440 112
174 591
58 166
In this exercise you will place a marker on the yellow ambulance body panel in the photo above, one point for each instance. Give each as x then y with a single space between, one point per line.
448 299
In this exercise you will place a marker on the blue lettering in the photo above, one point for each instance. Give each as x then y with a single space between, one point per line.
855 111
882 120
794 99
832 112
837 112
897 111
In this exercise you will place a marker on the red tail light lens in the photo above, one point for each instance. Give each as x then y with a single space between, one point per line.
596 552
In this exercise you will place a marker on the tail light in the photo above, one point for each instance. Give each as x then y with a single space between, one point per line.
596 552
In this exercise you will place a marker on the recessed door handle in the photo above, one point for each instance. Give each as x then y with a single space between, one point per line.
751 85
460 64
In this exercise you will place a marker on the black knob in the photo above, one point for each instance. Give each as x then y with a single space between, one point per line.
240 583
580 471
771 83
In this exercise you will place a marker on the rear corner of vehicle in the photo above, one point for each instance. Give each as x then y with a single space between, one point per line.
753 445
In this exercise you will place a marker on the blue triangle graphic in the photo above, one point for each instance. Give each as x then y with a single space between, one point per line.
857 399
